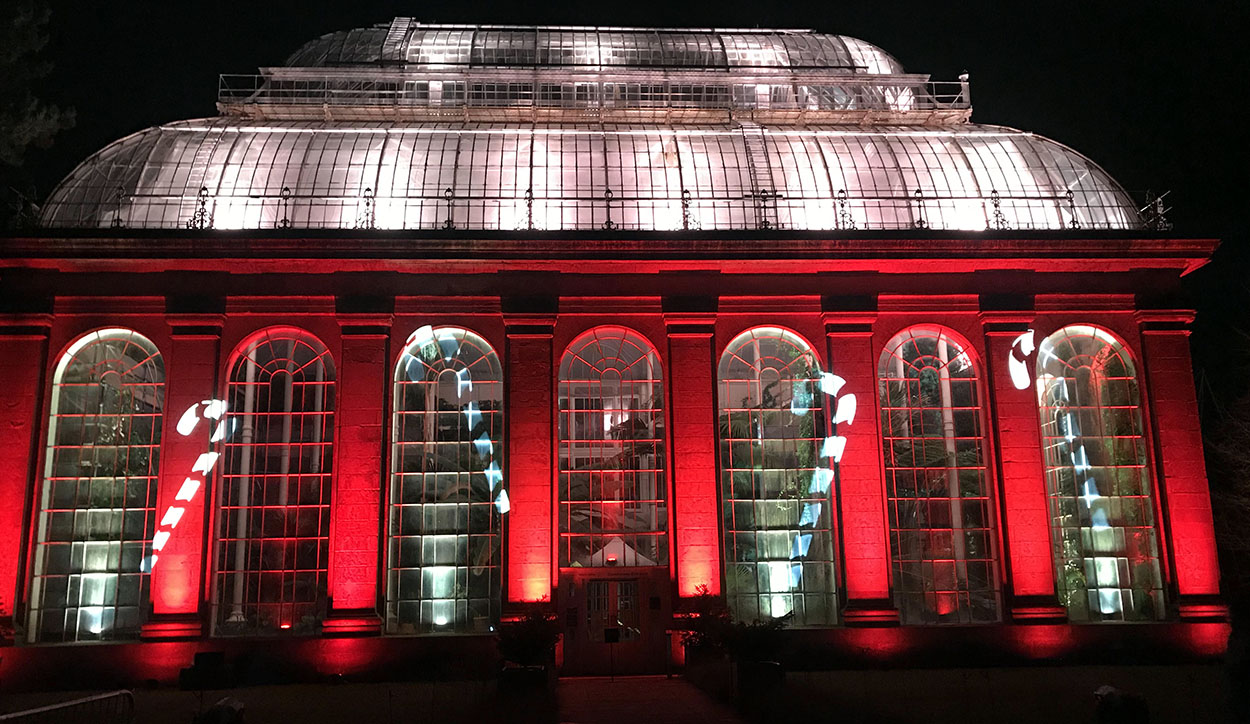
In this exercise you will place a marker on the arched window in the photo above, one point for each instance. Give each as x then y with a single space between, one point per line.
612 483
1102 516
274 520
97 503
941 515
776 478
447 497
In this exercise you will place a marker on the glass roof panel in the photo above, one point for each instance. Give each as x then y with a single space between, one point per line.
440 47
869 57
409 42
342 175
750 49
505 47
692 49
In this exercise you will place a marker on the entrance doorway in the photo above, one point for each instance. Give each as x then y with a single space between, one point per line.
615 620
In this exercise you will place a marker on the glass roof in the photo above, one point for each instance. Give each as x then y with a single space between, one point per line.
404 41
228 173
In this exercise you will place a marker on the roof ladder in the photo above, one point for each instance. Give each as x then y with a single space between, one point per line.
393 45
762 189
197 176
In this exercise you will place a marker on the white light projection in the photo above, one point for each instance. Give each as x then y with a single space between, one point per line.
214 410
1017 358
430 345
1106 569
1105 550
784 578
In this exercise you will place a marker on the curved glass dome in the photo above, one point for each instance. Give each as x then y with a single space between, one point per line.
405 41
229 173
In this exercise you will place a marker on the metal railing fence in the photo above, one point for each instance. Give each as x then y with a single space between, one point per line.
815 94
114 707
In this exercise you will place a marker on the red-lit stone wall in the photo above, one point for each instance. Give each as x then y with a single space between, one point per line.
23 366
362 402
196 349
529 420
692 405
1030 579
861 485
1174 412
191 375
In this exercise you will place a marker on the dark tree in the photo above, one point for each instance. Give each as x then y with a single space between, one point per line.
1226 424
25 120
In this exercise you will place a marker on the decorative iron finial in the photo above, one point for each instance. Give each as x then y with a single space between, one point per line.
119 198
529 208
364 213
284 204
765 197
1155 213
920 222
200 220
449 196
845 221
1075 223
1000 221
608 225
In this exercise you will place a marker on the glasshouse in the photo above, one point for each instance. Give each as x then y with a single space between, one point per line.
435 329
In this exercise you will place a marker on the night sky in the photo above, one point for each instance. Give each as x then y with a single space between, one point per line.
1146 89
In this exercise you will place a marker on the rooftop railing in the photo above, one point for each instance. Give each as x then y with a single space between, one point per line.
891 99
760 210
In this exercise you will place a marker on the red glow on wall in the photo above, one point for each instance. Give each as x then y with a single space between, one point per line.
862 496
691 400
529 424
1026 521
695 576
21 358
1044 642
880 643
357 491
677 650
1171 389
1207 639
191 363
347 656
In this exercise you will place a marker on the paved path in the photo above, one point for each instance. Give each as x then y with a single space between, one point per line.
638 700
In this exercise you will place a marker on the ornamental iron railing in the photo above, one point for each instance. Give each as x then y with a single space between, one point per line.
503 93
611 211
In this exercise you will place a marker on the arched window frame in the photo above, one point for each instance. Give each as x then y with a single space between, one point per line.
1100 502
800 580
92 557
445 526
943 543
271 558
589 432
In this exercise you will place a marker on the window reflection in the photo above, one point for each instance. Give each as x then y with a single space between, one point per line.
447 496
1102 515
776 479
273 532
940 511
613 510
97 503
